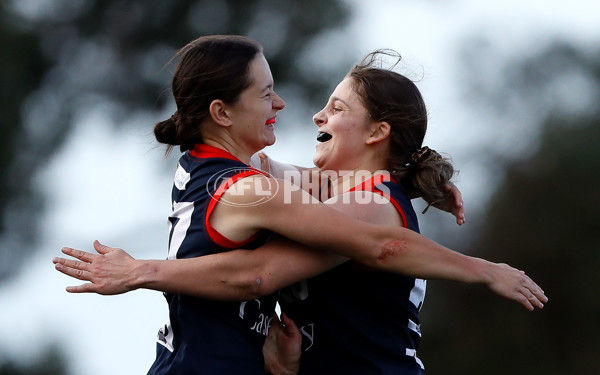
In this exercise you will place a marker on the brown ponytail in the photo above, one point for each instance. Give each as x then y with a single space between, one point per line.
427 174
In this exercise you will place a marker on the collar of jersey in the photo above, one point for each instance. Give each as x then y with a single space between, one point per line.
371 182
202 151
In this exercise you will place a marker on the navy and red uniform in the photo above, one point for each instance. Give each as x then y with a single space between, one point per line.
356 320
204 336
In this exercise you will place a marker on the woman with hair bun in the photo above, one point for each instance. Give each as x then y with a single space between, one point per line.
221 300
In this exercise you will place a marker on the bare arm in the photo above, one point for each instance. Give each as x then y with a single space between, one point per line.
296 215
393 249
310 179
233 275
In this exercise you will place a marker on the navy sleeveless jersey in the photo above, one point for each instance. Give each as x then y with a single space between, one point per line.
356 320
204 336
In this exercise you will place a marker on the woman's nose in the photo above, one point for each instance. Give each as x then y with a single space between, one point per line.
278 103
319 118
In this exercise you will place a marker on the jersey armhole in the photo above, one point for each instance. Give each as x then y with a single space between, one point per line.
370 186
214 235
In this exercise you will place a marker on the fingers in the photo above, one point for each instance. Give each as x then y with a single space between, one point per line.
454 203
460 215
516 285
81 255
77 273
289 327
77 270
536 295
287 321
539 294
525 302
70 263
83 288
102 249
275 320
274 327
532 295
264 162
458 202
530 301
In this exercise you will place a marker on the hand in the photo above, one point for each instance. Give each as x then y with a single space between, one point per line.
107 272
264 163
514 284
453 203
283 347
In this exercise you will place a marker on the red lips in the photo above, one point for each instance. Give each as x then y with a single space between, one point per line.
270 121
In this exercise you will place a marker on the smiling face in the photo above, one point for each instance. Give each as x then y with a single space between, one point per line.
343 130
253 114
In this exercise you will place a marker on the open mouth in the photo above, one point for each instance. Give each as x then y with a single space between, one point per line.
323 137
270 121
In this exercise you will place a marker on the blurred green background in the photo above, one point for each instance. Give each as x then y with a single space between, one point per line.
515 101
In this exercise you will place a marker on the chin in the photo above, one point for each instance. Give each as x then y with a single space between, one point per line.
270 141
316 162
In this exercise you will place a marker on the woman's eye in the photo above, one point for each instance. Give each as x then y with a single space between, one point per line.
337 109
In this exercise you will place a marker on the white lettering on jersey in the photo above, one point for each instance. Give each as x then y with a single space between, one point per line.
413 353
309 335
243 307
179 222
417 293
165 337
181 177
414 327
262 324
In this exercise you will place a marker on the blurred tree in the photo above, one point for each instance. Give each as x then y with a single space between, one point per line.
62 59
22 69
50 363
544 219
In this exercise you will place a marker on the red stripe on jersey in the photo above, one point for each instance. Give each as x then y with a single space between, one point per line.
371 185
202 151
212 232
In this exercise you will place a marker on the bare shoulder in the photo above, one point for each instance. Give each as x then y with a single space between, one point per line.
259 190
258 198
366 206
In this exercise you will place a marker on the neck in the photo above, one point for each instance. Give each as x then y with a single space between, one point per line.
346 180
229 146
366 165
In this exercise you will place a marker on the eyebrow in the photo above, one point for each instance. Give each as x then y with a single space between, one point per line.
267 87
335 98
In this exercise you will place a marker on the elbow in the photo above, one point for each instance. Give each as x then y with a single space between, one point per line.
256 286
388 256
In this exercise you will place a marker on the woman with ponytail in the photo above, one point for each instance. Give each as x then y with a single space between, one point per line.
352 319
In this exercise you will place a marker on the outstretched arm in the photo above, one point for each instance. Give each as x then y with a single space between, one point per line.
233 275
307 221
393 249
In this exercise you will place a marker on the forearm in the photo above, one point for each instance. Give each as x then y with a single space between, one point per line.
393 249
234 275
407 252
224 276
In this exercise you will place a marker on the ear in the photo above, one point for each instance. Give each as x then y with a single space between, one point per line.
378 131
219 112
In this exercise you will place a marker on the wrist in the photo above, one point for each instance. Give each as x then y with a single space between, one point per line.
482 271
143 274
